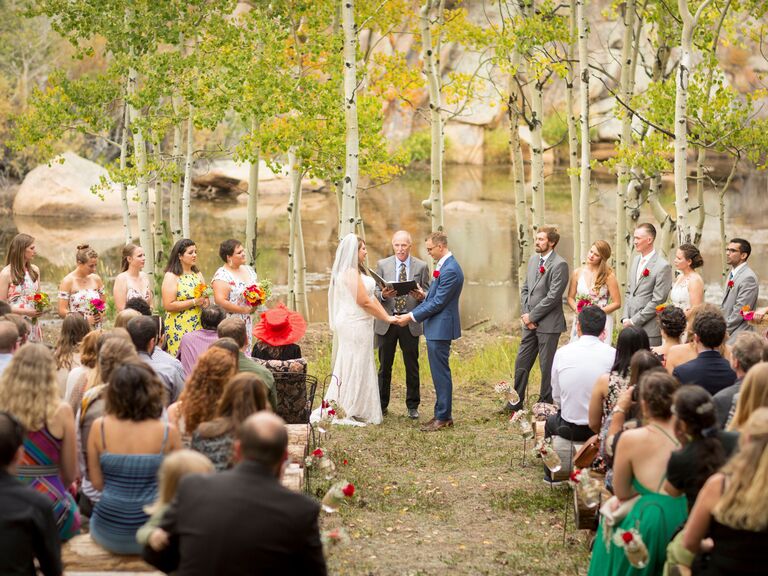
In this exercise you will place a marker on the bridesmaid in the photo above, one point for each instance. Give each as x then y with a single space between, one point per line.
20 280
131 282
597 279
81 286
181 279
231 280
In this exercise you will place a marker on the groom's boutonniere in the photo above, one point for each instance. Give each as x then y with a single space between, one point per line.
646 273
436 274
542 269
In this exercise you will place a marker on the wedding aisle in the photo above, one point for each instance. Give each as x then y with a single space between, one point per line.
458 500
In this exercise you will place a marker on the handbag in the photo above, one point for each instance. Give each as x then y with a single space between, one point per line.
587 453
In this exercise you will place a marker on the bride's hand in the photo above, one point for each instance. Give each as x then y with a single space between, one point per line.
392 319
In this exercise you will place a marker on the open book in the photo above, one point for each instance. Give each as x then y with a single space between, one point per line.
402 288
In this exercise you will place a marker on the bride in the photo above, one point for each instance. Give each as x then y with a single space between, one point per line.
351 310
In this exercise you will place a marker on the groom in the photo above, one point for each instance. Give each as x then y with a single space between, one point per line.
440 314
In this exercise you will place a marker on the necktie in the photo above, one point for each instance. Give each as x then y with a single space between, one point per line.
400 300
541 261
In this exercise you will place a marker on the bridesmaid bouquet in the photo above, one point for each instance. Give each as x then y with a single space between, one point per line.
41 301
202 290
97 306
336 495
633 545
257 294
583 300
748 314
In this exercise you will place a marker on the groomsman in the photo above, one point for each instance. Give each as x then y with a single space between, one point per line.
542 307
398 268
649 283
741 288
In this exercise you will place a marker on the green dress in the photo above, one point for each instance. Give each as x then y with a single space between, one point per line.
656 516
179 323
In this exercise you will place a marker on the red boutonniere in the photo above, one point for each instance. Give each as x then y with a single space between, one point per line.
730 283
646 273
542 269
436 274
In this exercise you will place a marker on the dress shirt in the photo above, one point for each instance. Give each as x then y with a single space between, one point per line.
642 264
735 271
575 369
168 369
27 530
544 257
192 346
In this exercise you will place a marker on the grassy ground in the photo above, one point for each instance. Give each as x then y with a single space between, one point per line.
458 500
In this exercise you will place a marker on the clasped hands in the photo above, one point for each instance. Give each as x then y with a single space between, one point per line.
526 320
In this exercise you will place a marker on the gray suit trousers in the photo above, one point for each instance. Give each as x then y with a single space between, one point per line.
532 344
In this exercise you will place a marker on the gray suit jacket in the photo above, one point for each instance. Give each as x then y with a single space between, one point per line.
743 293
645 294
387 269
541 296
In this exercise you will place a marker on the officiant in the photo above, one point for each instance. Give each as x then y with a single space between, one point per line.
399 268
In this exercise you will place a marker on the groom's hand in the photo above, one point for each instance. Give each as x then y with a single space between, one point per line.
403 319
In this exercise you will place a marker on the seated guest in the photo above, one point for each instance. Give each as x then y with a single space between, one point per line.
575 369
28 390
124 316
113 352
277 333
753 395
78 377
67 353
234 328
709 369
21 327
243 521
125 449
5 308
731 509
672 323
640 469
197 402
685 352
705 449
9 338
195 343
143 331
28 531
138 304
245 394
747 350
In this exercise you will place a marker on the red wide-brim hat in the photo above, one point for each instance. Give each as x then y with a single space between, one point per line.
280 326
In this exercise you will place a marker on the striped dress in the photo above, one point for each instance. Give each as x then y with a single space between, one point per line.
130 484
39 469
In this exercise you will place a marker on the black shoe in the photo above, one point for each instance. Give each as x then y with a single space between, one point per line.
413 413
384 411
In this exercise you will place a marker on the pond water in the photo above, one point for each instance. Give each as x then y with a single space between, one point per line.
479 220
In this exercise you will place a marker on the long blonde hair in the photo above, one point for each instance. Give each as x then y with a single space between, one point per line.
174 467
744 504
112 349
603 270
753 394
28 387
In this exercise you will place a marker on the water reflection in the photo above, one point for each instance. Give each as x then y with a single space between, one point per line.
479 218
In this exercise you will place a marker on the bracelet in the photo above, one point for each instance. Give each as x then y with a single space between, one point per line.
619 410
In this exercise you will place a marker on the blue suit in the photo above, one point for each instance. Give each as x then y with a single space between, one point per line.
440 314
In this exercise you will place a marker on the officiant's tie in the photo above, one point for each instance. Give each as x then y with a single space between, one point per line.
400 300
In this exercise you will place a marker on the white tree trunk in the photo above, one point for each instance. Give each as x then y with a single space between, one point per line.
349 190
186 195
142 181
174 216
251 218
293 171
518 178
123 186
431 67
573 138
586 171
537 156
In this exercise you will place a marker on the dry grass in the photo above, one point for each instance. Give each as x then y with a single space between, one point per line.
455 501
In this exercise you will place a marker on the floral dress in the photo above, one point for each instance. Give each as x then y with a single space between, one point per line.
80 301
179 323
616 385
236 289
599 298
20 297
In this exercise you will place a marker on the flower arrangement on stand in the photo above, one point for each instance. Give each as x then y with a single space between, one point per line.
550 457
319 460
334 537
41 301
521 423
588 488
507 393
634 548
336 494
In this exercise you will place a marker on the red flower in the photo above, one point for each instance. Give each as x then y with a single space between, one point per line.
646 273
38 297
542 269
345 462
436 274
318 453
348 490
325 404
730 283
627 537
331 412
575 475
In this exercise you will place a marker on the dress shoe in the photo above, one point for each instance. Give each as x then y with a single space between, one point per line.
413 413
437 425
384 411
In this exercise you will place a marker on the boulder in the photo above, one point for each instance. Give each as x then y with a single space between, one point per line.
465 143
63 188
229 179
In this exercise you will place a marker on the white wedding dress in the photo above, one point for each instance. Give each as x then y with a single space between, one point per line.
679 295
354 385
